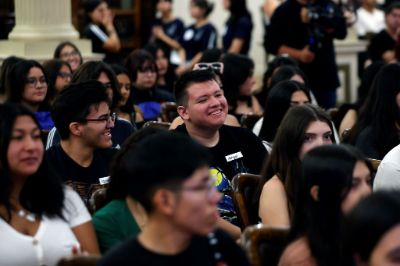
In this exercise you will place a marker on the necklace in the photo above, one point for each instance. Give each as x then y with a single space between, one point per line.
31 217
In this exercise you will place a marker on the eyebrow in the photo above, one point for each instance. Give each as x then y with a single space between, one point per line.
394 252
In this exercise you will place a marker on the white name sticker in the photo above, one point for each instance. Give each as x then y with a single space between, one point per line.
233 156
104 180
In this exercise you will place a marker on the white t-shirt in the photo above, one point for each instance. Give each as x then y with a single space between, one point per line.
369 22
388 174
53 240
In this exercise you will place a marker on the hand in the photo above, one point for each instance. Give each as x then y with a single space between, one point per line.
108 20
158 31
305 18
389 56
306 56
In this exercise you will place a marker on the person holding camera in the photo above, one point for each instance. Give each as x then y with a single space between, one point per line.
305 29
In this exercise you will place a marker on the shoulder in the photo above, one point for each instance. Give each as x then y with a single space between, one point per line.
388 174
297 253
274 186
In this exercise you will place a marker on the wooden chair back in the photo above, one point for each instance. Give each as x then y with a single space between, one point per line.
244 186
264 244
168 111
79 260
157 124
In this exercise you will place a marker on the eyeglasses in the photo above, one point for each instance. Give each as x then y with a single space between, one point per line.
149 70
217 67
71 54
106 118
33 82
64 75
208 187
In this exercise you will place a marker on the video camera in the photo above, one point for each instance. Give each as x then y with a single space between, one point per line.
322 15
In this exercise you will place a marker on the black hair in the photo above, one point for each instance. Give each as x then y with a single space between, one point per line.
392 5
237 69
117 188
330 168
205 5
238 9
277 104
212 55
137 59
161 161
17 79
42 193
52 68
380 112
286 72
90 5
367 79
189 78
278 61
369 221
74 103
91 71
7 64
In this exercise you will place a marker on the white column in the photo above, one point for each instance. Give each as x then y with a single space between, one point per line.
43 20
40 25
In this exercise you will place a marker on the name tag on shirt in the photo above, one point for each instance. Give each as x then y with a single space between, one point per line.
104 180
233 156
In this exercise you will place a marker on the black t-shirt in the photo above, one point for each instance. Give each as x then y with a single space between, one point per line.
196 40
237 151
85 180
241 29
201 251
286 28
379 44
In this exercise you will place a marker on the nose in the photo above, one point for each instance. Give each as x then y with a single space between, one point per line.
110 123
30 143
216 196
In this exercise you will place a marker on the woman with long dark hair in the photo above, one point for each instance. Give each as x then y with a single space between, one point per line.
40 219
302 128
238 27
334 179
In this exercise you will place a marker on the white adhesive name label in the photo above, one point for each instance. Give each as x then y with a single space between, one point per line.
233 156
104 180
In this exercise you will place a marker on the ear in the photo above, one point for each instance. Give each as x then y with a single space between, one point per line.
164 201
75 129
182 111
314 191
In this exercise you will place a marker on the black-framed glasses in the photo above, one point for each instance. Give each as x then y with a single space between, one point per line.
33 82
64 75
106 118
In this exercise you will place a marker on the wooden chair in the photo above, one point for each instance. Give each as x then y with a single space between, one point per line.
244 186
264 244
249 120
90 260
157 124
168 111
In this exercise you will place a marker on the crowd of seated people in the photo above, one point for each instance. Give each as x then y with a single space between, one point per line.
71 129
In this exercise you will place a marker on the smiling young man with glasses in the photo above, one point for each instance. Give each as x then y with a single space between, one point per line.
180 201
84 121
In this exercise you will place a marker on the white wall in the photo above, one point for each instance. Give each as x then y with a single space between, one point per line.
218 17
